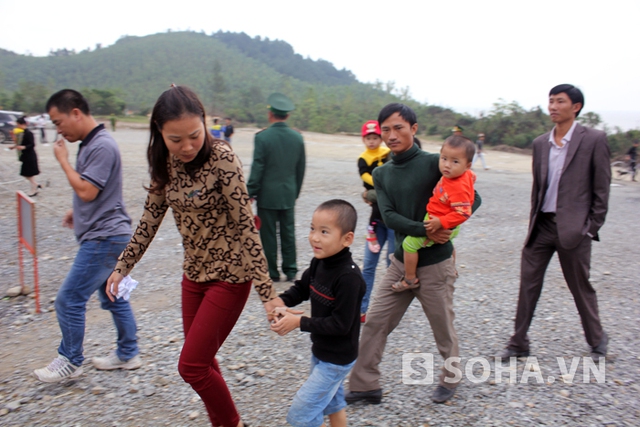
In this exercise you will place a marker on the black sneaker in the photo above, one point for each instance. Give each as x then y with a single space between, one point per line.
442 394
367 397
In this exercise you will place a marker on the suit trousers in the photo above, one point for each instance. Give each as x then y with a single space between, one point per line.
271 219
436 296
575 263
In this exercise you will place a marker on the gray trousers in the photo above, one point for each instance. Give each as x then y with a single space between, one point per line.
575 263
436 296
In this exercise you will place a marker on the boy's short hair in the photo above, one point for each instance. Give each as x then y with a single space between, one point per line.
66 100
347 217
459 141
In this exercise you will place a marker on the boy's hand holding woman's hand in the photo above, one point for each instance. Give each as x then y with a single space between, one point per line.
276 309
283 319
288 321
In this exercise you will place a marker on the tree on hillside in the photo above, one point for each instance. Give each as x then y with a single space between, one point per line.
307 110
590 119
404 94
253 106
281 57
104 102
62 52
30 97
219 87
510 124
620 142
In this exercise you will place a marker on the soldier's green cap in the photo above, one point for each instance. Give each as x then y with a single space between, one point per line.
457 128
280 104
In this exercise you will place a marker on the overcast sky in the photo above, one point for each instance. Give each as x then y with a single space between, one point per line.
460 54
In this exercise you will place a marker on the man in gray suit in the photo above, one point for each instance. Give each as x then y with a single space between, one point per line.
569 200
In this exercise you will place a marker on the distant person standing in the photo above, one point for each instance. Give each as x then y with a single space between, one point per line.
480 151
378 233
26 145
216 129
276 179
41 123
102 228
632 156
113 121
228 130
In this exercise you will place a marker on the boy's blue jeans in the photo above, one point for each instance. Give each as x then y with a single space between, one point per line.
322 394
383 234
91 268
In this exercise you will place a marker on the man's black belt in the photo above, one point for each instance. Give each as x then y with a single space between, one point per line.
550 216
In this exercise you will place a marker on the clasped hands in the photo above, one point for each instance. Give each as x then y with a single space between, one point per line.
282 318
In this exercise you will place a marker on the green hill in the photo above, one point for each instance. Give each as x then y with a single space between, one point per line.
141 67
232 73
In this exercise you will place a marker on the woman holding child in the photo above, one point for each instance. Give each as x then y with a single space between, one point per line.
201 179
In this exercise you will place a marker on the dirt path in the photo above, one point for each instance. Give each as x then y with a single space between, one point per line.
485 295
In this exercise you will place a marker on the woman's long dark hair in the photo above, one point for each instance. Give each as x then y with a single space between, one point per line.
173 104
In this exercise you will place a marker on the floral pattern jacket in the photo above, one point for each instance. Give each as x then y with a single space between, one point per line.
214 218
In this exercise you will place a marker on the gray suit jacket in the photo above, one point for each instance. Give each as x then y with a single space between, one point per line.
583 190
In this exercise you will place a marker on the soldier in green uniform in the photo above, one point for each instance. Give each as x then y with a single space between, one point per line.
275 181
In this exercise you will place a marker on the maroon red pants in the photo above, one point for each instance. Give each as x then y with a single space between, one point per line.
209 312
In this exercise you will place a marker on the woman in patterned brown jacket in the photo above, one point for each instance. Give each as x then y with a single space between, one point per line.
201 179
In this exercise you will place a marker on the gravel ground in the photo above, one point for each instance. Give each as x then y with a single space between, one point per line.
261 368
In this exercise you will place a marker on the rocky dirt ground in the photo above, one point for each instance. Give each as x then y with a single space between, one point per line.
263 370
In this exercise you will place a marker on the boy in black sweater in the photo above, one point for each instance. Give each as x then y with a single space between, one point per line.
335 286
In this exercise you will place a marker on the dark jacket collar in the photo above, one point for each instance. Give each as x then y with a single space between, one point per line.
87 139
279 124
405 156
338 258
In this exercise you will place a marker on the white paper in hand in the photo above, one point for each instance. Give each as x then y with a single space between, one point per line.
126 286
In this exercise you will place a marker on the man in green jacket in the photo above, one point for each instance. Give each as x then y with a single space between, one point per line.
276 178
403 186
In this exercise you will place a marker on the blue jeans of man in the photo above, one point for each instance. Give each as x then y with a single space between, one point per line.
384 235
89 273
